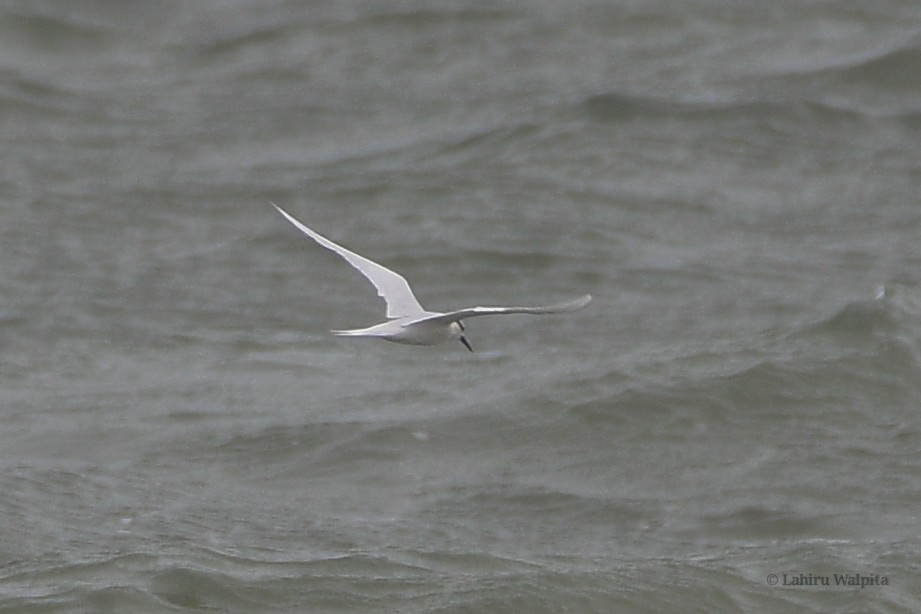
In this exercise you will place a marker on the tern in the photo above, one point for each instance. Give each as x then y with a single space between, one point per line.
407 321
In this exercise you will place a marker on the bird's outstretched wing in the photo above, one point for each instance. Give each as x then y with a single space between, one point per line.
391 286
472 312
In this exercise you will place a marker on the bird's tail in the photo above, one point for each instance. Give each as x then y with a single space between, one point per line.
356 332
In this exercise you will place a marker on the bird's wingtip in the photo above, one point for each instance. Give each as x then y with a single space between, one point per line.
287 216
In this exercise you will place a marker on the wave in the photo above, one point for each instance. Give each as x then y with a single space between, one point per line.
880 83
843 89
893 64
893 314
417 16
62 31
619 107
854 361
32 94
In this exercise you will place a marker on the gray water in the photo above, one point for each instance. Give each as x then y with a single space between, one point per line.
736 183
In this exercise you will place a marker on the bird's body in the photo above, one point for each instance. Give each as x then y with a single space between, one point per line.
408 322
404 330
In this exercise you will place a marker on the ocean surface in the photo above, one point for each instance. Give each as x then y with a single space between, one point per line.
733 424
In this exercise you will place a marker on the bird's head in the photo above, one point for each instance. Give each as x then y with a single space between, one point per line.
457 332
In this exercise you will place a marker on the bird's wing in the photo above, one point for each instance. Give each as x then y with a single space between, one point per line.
391 286
472 312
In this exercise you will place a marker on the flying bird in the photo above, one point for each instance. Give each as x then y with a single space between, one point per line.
408 321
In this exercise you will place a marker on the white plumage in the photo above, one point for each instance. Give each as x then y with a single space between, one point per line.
409 322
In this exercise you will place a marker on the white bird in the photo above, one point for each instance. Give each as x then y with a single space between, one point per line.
408 321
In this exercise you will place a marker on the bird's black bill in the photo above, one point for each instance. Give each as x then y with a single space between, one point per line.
463 340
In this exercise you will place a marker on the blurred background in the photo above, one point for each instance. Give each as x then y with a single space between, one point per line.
735 182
